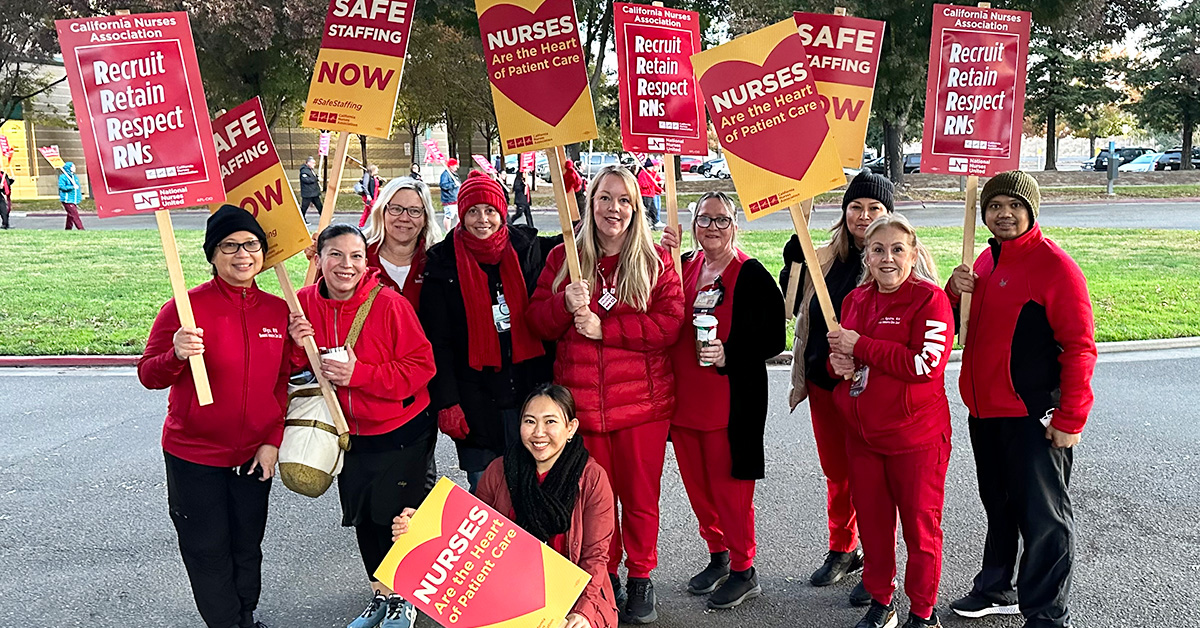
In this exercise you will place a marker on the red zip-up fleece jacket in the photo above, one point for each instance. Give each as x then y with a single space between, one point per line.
905 343
593 520
395 360
247 355
648 183
1031 341
625 378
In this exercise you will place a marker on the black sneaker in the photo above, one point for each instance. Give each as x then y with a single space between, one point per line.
713 575
917 622
859 596
739 587
974 605
639 609
618 590
837 565
878 616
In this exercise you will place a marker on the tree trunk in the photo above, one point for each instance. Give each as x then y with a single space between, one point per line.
412 135
362 142
1091 147
893 140
606 23
1189 127
1051 140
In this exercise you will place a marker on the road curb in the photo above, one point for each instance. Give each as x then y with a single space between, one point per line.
1124 346
784 359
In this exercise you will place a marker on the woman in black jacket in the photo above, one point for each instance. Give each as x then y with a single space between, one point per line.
479 279
721 395
522 198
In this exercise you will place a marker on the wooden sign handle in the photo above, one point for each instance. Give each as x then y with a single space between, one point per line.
810 259
793 287
968 253
572 206
672 206
166 232
564 213
331 194
314 360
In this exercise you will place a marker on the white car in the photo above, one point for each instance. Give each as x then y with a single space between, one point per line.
720 170
1145 163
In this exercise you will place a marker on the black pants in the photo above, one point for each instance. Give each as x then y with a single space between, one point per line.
525 209
5 209
1023 485
315 201
220 518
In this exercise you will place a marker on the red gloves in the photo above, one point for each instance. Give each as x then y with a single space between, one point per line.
453 423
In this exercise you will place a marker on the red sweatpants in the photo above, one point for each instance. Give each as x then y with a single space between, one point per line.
633 458
913 484
724 505
829 430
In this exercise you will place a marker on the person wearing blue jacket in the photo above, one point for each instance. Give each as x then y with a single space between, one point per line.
448 184
70 193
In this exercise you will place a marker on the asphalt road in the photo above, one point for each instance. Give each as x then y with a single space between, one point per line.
85 539
1124 214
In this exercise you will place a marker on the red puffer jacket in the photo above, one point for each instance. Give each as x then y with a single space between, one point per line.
905 343
624 379
246 354
394 359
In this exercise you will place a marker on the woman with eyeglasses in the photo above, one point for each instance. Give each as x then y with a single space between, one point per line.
479 280
399 232
721 395
220 457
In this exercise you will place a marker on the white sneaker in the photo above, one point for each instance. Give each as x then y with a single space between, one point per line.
400 613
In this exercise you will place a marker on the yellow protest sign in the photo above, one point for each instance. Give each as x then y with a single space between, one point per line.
768 116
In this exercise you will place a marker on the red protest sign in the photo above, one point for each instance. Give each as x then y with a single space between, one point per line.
661 108
433 154
141 110
975 96
528 162
484 164
323 144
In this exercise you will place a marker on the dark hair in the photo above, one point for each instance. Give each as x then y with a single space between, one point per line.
560 395
340 229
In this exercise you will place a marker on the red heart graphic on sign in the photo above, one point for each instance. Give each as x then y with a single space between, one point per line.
511 584
789 146
546 93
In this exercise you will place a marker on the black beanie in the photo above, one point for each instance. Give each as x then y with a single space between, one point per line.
867 184
227 220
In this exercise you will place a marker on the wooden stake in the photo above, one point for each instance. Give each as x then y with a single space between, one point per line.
564 214
572 206
968 253
331 194
166 232
672 206
814 266
793 287
314 360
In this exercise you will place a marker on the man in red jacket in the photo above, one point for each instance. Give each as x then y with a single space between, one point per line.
1026 380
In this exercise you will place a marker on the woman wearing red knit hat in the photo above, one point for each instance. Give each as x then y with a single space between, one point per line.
479 279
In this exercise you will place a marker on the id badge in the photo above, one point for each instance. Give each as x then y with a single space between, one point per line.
707 301
500 315
858 382
607 299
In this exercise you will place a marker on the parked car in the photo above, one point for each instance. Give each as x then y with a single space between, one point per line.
1170 160
877 165
1125 155
912 164
591 163
1144 163
720 170
689 164
706 166
714 167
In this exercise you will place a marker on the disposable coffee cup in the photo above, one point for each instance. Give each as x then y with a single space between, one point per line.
337 354
706 332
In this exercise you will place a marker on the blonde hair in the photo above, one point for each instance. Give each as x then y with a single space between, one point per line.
725 202
375 230
639 264
923 267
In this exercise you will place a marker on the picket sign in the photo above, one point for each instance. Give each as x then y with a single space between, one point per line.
968 247
555 157
183 304
572 206
331 194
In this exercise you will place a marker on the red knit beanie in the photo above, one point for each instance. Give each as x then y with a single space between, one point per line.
481 189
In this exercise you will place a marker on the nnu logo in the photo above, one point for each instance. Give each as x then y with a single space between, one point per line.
144 201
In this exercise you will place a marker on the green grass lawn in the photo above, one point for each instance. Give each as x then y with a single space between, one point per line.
97 292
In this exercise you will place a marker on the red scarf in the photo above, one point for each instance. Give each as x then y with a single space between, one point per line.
483 341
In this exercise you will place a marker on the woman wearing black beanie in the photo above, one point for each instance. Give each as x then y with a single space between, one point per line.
868 197
220 457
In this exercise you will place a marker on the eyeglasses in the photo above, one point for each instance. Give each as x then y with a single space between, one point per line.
397 210
722 222
231 248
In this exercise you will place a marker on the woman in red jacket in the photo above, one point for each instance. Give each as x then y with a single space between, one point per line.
399 231
721 396
613 330
894 344
220 457
381 377
552 488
